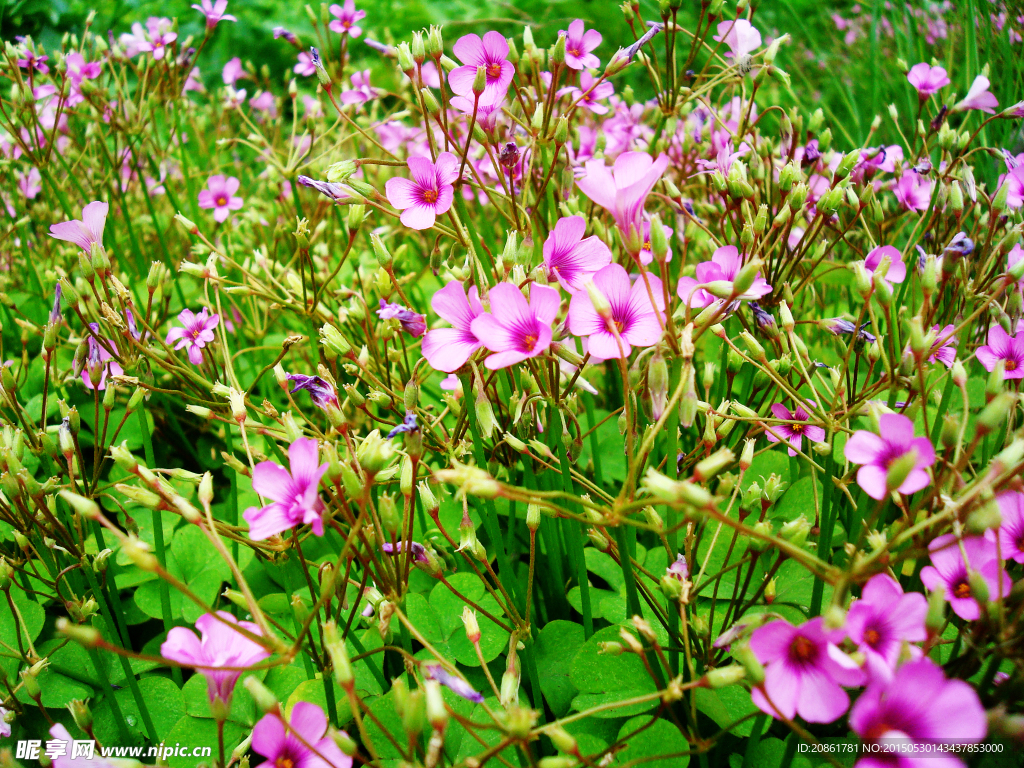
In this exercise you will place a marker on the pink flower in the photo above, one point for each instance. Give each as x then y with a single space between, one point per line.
725 265
978 97
646 254
927 79
265 102
79 69
31 61
448 349
739 35
622 189
913 192
1014 257
587 95
897 270
918 706
491 53
220 195
361 91
196 333
31 184
222 646
882 619
214 12
630 314
943 349
949 571
305 67
286 746
160 36
513 329
804 671
1011 530
295 494
578 46
346 19
570 258
877 454
232 71
86 232
793 433
429 193
1001 346
99 363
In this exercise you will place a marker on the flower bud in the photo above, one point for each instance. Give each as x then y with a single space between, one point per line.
724 676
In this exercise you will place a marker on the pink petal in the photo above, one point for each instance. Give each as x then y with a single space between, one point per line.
872 478
821 700
447 349
419 216
863 447
268 521
401 193
271 481
469 49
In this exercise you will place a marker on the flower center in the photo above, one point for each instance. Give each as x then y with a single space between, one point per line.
872 636
284 762
346 24
494 70
615 326
796 429
1011 365
529 341
803 650
430 195
574 51
962 590
221 201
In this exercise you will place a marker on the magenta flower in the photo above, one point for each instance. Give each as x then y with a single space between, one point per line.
220 195
196 332
883 618
630 314
918 706
448 349
1001 346
286 745
913 192
513 329
897 270
78 69
491 53
412 323
978 97
305 67
324 396
1011 530
949 571
793 433
361 91
161 36
31 61
622 189
1014 257
30 184
232 71
222 646
804 671
429 193
877 454
578 46
86 232
724 266
570 258
587 95
927 79
347 18
214 12
295 495
739 35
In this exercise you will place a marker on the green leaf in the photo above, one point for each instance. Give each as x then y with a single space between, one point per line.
313 691
164 702
798 500
557 645
199 733
13 632
768 754
658 739
765 464
194 560
448 608
794 583
604 679
725 706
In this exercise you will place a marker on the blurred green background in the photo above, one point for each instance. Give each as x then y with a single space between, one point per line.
849 67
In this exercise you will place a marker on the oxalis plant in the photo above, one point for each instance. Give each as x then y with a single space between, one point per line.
491 414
